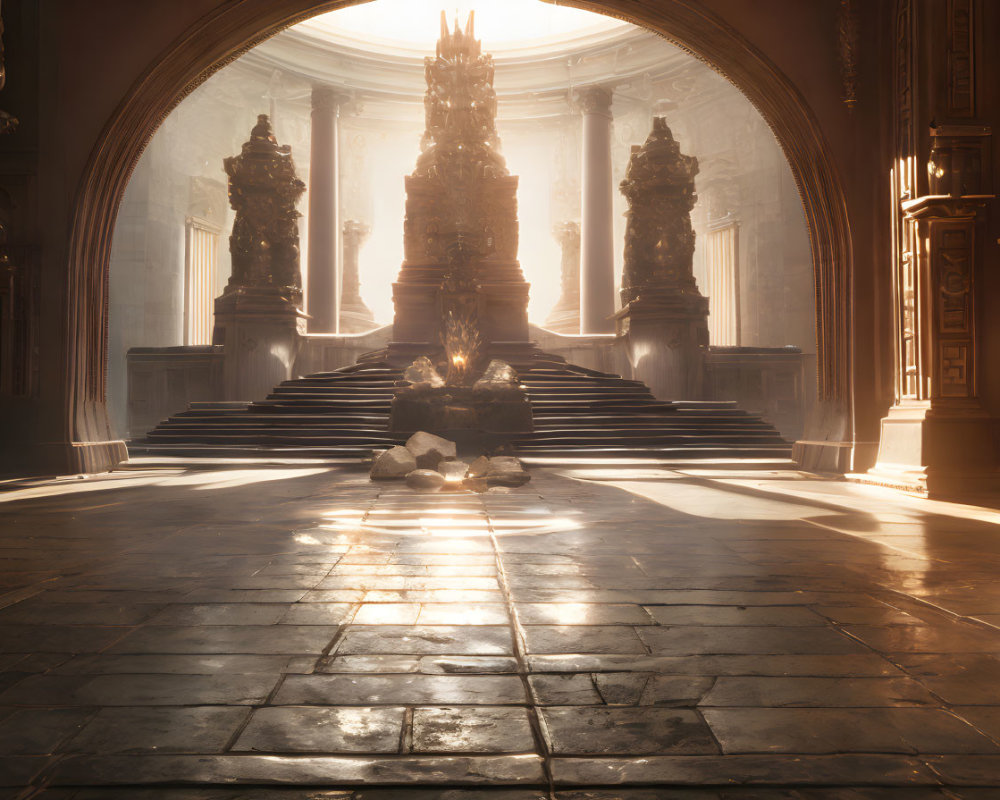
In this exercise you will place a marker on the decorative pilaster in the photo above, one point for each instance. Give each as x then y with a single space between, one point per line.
597 267
664 316
937 437
355 316
258 318
324 211
565 315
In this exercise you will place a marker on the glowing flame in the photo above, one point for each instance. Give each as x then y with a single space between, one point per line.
458 360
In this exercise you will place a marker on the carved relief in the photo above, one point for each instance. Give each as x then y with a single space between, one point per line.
960 73
263 190
848 41
659 239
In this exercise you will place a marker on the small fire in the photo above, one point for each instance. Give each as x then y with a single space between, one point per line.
458 360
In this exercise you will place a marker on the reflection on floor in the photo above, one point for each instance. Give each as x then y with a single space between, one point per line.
602 627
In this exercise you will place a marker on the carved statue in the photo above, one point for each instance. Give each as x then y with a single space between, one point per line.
659 239
565 315
355 316
263 191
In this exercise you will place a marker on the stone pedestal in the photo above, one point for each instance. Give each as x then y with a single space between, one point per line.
259 319
664 316
937 438
261 329
666 339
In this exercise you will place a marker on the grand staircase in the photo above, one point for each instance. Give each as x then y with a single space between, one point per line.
579 415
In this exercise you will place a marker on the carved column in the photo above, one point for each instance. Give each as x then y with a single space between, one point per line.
565 315
323 297
355 316
937 436
258 318
664 316
597 265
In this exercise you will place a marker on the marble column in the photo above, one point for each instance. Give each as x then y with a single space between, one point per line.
323 287
597 264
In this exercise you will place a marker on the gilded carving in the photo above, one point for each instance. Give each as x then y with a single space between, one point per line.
659 239
263 191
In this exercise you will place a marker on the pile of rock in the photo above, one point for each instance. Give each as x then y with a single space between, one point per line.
430 463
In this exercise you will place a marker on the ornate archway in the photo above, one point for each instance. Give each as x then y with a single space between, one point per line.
233 28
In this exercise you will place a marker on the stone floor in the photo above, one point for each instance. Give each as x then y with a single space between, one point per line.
613 633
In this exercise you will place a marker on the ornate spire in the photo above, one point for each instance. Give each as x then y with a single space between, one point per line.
460 106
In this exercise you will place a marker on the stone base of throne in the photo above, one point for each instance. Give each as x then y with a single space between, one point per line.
477 421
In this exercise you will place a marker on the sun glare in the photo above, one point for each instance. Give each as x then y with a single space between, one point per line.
507 24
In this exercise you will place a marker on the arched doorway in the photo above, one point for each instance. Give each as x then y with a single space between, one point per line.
226 33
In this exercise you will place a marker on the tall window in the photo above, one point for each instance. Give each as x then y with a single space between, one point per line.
201 279
722 284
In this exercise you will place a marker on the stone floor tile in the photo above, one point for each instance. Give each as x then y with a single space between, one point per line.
463 614
220 614
587 730
426 639
966 770
196 664
137 690
582 614
675 690
313 771
983 718
954 638
38 731
428 665
322 730
582 639
450 596
226 596
193 729
818 692
318 614
387 614
748 641
21 770
58 638
472 730
40 613
868 615
770 770
735 615
263 639
843 730
621 688
344 690
564 690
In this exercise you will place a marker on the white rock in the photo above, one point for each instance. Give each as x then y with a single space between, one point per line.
425 480
396 462
430 450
